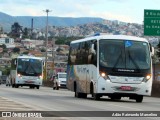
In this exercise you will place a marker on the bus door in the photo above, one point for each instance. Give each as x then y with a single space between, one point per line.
88 79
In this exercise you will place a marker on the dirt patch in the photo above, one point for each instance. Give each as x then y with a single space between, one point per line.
155 89
48 83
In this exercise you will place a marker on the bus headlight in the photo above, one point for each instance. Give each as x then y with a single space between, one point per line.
40 76
19 75
104 75
147 77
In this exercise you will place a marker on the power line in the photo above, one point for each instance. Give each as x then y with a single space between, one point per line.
47 11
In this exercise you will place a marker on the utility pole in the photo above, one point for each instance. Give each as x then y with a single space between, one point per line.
53 43
47 11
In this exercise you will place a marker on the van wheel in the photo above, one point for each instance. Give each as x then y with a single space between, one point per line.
57 87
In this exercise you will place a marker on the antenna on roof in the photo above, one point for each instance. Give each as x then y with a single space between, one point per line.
96 34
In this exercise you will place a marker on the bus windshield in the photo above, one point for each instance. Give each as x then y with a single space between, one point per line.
31 67
124 54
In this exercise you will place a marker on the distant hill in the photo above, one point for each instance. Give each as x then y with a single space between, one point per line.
40 22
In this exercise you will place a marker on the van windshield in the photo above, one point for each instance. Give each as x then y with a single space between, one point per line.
62 75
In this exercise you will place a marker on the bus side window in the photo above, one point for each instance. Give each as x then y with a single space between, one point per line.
94 53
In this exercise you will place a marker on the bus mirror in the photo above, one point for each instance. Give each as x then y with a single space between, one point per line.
43 63
92 49
15 62
152 51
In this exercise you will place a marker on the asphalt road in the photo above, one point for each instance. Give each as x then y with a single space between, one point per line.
57 102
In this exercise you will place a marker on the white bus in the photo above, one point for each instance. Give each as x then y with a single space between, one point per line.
26 71
110 65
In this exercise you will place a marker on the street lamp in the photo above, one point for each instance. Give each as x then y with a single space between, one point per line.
47 11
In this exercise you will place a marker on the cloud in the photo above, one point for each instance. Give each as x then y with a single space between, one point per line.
108 9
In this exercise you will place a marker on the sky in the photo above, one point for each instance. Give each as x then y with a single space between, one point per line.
131 11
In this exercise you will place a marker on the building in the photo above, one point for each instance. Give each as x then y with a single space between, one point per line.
31 43
9 42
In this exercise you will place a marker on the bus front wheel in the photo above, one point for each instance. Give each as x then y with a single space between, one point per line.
37 86
94 95
139 98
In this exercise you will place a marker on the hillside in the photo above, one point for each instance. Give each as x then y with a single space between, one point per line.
40 22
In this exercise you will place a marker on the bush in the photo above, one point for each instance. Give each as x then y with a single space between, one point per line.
155 89
47 83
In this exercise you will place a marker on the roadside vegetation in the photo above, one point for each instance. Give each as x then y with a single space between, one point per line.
156 89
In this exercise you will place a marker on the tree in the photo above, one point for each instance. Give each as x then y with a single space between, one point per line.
16 30
26 52
158 51
43 50
4 48
1 30
16 50
26 33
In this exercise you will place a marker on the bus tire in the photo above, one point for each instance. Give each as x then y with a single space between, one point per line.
96 96
57 87
16 86
77 94
37 86
91 89
13 85
139 98
83 95
75 90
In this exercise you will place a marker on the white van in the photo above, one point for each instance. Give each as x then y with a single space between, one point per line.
59 80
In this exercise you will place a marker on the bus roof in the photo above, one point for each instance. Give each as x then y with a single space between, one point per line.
118 37
31 57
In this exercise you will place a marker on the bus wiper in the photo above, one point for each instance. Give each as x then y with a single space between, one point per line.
30 67
133 61
117 61
34 70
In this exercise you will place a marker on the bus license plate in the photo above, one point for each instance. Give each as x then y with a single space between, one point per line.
125 88
29 81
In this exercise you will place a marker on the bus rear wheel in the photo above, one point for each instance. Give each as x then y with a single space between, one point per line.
16 86
96 96
80 95
13 85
